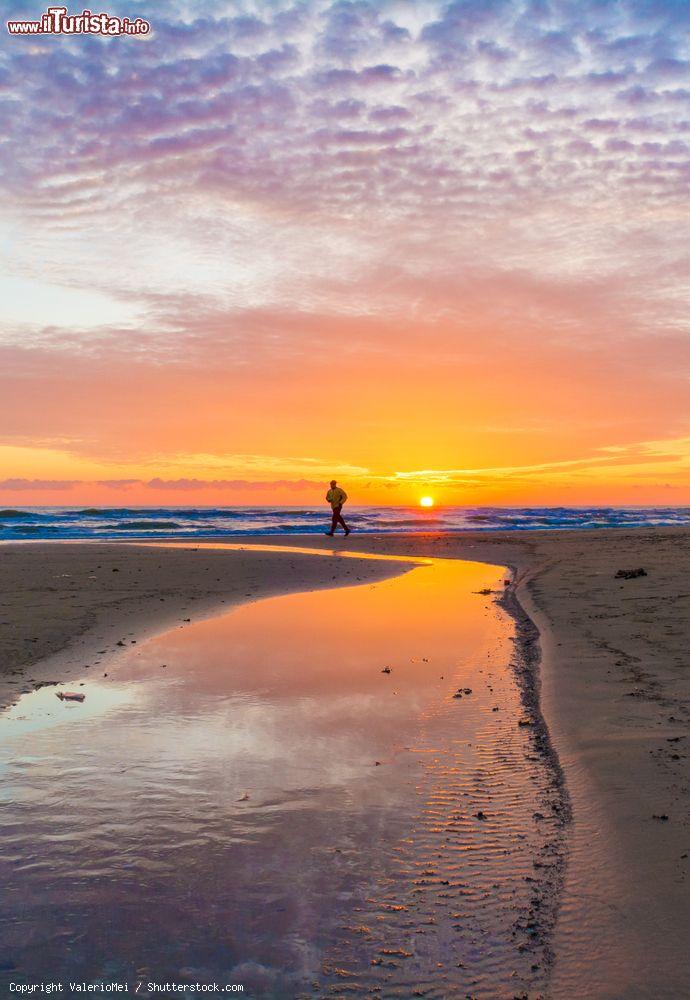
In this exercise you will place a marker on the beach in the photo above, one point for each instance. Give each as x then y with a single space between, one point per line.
613 679
63 603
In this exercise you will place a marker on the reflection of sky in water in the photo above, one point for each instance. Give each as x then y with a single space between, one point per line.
217 798
42 709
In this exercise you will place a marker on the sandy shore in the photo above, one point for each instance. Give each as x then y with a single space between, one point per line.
615 674
615 693
62 605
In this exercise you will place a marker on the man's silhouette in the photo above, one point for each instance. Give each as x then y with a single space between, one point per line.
336 497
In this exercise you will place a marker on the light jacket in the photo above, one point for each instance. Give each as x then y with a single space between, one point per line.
336 497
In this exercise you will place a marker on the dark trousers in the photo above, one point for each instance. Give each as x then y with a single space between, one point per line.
338 519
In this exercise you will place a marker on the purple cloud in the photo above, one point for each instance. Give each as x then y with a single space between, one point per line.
17 485
254 181
157 484
261 486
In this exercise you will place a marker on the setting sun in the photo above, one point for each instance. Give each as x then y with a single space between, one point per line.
426 502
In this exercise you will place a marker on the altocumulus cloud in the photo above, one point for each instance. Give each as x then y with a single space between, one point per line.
266 171
441 112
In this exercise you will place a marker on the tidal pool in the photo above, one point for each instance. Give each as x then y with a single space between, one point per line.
290 797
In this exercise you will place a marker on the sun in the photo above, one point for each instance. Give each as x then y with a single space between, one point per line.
426 502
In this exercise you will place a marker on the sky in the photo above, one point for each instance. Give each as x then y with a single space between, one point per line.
421 247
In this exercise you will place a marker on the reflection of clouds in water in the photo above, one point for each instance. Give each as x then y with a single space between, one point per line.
283 701
289 744
39 710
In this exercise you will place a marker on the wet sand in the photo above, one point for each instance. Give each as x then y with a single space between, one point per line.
306 808
64 605
615 693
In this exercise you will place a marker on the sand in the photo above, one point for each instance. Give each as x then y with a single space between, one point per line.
615 679
61 604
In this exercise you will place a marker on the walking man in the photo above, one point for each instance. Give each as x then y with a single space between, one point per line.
336 497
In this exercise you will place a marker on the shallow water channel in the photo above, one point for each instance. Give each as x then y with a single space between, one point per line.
252 799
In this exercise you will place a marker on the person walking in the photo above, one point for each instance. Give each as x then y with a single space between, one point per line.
336 497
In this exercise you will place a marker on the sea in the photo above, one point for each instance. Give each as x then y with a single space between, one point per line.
198 522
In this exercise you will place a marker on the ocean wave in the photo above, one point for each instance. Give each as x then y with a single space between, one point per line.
35 529
228 522
411 522
145 525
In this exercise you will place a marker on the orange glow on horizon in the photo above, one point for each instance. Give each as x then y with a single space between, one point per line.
650 473
467 290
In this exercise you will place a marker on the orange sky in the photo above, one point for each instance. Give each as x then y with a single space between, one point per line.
424 248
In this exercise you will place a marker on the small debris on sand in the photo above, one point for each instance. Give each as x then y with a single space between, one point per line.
70 695
630 574
386 670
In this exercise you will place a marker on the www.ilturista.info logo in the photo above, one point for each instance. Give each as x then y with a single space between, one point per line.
56 21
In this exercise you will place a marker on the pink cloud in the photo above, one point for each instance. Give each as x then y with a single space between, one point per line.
20 485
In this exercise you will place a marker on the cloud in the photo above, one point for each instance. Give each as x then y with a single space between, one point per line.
236 93
637 455
157 484
662 454
19 485
185 484
283 192
117 484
